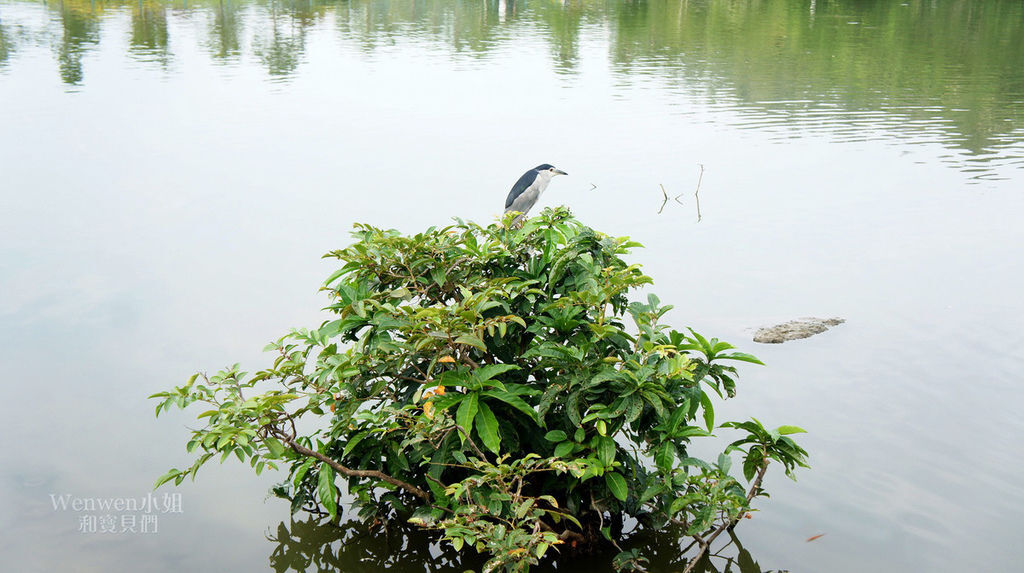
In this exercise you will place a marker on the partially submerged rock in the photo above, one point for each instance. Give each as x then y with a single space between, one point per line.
794 329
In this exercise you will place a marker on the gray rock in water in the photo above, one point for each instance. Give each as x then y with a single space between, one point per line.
794 329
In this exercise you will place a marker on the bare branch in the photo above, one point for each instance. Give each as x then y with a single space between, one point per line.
565 534
302 450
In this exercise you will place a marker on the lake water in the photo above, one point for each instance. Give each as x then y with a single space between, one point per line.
170 173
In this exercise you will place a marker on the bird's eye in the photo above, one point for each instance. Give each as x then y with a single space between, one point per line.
551 168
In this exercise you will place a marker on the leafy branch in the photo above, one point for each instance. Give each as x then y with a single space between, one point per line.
499 384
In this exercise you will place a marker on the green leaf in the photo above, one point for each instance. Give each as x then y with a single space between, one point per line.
753 427
655 401
325 490
720 346
487 427
472 340
334 276
423 516
689 431
455 378
491 370
572 408
634 408
664 456
523 508
695 462
166 478
541 549
301 472
681 502
752 463
555 436
551 395
225 454
743 356
724 462
617 484
786 430
709 411
330 329
495 506
467 413
353 442
606 450
678 416
514 401
702 521
276 447
564 449
651 491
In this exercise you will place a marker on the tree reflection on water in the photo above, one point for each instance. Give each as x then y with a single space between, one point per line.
313 545
918 72
355 547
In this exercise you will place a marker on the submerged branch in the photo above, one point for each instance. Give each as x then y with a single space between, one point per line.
696 194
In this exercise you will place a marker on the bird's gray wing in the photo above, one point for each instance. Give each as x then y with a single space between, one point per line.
522 185
523 201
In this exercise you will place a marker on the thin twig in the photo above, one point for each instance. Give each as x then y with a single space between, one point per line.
471 443
600 516
238 387
420 370
722 548
663 201
409 379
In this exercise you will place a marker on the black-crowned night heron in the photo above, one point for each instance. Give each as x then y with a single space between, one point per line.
527 190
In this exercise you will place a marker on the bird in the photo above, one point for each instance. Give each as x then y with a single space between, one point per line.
527 190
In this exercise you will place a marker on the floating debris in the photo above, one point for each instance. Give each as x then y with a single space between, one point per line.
795 329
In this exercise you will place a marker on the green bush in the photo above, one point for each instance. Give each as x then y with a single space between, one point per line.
483 381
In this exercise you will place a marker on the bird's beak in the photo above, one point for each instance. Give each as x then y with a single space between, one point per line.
560 172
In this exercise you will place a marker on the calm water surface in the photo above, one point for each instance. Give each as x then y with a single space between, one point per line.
170 173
